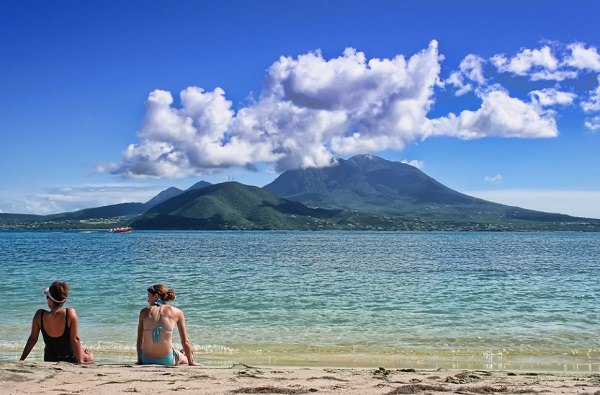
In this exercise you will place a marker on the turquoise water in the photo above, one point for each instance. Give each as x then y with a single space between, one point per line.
394 299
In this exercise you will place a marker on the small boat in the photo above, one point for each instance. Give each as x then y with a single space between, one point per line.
125 229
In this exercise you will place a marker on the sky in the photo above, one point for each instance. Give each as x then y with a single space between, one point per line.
105 102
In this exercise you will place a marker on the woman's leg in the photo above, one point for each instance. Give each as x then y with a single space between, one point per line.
180 358
88 356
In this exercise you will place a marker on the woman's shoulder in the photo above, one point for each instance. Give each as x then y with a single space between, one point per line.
172 309
71 311
144 311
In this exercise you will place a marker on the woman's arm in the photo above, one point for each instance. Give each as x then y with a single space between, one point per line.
185 342
74 337
140 334
33 336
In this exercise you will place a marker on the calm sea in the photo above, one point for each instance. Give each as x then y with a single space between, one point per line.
394 299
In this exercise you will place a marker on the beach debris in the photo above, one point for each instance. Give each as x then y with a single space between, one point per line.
489 389
418 388
595 379
269 389
381 373
242 366
257 374
333 378
463 378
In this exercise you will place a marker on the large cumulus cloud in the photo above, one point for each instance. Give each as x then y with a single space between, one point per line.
312 110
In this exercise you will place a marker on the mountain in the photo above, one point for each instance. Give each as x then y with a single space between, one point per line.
366 181
163 196
8 220
124 209
104 217
113 210
370 184
232 205
364 192
199 185
172 192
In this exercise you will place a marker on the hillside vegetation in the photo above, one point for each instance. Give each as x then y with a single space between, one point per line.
364 193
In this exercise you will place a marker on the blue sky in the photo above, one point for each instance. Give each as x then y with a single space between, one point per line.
105 102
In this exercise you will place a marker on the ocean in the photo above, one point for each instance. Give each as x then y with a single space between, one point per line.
487 300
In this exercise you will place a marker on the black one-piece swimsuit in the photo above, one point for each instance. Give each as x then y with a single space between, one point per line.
58 348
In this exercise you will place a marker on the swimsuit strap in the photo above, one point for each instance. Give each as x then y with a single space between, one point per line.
66 320
156 334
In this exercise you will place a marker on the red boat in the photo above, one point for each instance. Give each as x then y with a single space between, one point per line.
125 229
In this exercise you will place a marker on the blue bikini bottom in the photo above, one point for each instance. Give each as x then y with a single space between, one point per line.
168 360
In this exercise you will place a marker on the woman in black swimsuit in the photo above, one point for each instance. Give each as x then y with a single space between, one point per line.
59 329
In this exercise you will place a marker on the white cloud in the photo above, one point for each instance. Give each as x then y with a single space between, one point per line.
493 179
499 115
593 123
470 71
576 203
543 64
363 106
593 104
68 199
175 142
419 164
526 60
553 75
550 97
583 58
312 110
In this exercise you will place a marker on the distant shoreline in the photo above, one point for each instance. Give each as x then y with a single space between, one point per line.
107 230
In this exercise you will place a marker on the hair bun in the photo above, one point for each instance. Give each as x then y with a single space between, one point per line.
170 295
59 290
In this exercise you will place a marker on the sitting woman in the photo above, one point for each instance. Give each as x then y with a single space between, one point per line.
59 328
155 330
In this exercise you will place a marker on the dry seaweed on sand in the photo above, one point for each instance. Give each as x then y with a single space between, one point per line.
269 389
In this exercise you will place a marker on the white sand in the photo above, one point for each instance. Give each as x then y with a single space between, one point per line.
64 378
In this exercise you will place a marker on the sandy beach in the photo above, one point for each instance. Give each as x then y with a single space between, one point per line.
65 378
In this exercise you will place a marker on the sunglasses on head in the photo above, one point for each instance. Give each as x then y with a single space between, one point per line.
152 290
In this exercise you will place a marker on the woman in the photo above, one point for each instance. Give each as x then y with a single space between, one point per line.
155 330
59 328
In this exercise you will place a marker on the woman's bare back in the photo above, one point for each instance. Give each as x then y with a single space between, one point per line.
158 325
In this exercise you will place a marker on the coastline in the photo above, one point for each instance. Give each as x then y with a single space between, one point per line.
45 377
547 363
